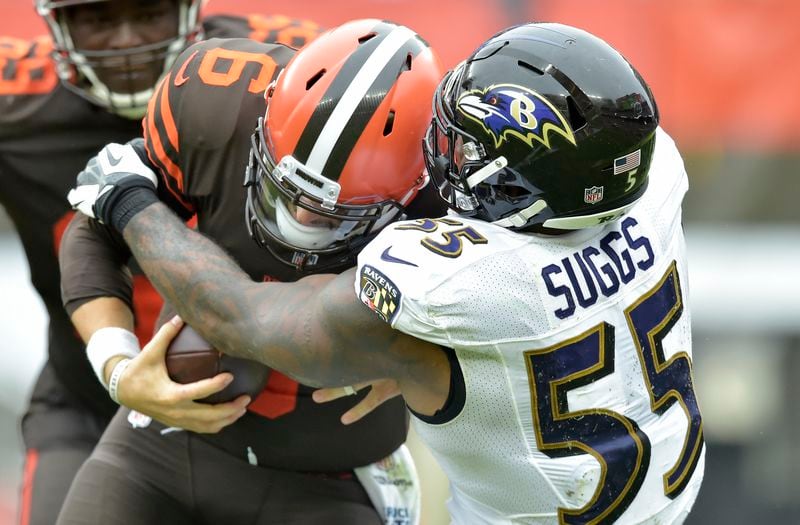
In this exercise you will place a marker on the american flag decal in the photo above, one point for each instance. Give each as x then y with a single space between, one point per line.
627 162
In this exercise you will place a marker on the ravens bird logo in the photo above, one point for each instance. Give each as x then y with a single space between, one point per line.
508 110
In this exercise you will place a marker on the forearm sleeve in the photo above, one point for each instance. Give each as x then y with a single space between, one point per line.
92 259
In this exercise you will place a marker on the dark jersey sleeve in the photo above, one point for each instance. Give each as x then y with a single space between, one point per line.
213 94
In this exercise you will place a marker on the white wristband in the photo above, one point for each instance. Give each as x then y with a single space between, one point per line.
109 342
113 382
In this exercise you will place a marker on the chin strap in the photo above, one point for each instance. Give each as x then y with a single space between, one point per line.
588 221
520 218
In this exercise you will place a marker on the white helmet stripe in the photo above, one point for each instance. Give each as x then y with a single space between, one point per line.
354 94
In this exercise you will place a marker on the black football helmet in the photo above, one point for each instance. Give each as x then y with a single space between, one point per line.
544 126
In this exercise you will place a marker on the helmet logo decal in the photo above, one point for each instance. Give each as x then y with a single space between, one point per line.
593 195
508 110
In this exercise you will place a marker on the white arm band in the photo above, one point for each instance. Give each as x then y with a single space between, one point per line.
107 343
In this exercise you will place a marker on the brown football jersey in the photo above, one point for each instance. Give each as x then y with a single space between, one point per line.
47 133
197 135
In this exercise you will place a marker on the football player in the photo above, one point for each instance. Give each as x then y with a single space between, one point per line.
540 333
63 97
349 105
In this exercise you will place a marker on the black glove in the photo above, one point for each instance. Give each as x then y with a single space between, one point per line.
115 185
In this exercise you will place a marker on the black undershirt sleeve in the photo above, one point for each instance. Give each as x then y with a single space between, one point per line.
456 397
93 263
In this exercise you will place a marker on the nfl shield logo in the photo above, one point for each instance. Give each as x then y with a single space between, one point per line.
593 195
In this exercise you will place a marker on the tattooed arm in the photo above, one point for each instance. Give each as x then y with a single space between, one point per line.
314 330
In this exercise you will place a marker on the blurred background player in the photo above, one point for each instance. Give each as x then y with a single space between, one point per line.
62 98
552 374
351 104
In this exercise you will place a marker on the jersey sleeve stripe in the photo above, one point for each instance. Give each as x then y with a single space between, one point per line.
148 129
169 122
158 152
171 173
168 149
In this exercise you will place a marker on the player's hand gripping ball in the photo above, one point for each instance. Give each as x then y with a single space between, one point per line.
191 358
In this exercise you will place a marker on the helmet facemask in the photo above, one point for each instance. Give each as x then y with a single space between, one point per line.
471 181
278 191
119 80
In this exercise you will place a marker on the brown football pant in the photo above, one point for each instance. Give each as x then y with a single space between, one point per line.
137 476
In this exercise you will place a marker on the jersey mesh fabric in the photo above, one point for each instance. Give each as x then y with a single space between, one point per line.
488 300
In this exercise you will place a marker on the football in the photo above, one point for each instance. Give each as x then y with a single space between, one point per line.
191 358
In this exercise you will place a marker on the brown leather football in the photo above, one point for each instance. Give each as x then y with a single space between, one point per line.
191 358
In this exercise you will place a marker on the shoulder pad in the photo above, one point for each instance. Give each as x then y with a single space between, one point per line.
199 104
409 259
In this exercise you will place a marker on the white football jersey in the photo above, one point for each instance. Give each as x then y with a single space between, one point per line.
576 357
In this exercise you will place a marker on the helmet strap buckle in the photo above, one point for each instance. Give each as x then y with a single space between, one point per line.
520 218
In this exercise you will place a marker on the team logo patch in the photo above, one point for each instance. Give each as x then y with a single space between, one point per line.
508 110
593 195
379 293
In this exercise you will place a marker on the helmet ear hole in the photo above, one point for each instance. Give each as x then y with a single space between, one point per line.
366 38
387 128
513 192
575 116
530 67
313 80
